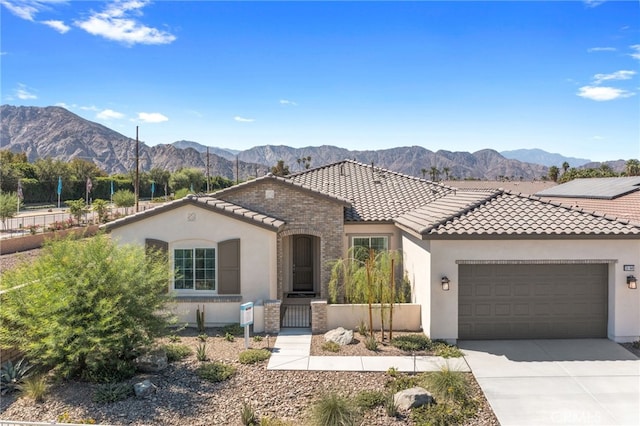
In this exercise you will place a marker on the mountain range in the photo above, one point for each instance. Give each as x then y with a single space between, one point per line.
58 133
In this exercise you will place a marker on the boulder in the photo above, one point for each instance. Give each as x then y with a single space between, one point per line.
144 389
412 398
152 362
339 335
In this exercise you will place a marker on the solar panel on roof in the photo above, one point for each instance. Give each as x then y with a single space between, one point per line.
605 188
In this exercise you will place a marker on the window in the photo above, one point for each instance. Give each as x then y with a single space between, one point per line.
362 245
195 269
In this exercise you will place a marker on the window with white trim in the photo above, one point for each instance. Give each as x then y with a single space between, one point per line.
195 269
363 244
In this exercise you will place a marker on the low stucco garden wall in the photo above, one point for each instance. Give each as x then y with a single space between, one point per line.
217 314
406 316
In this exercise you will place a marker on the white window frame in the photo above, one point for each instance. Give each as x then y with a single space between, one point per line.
369 236
193 246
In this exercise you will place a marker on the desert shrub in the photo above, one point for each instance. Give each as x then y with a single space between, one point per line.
201 351
390 406
331 346
402 382
229 337
363 330
446 351
66 418
248 415
203 337
233 329
177 351
215 371
251 356
368 399
411 342
448 385
34 387
258 338
438 415
12 375
333 409
636 344
112 392
88 307
271 421
371 343
392 372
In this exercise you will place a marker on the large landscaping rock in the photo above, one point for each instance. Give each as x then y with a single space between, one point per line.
144 389
152 362
412 398
339 335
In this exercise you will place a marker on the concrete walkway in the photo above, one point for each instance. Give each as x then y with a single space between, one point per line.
292 351
559 382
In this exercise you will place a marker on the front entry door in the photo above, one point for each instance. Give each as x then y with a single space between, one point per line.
302 263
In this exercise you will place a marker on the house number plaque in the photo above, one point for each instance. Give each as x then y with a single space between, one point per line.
191 217
629 268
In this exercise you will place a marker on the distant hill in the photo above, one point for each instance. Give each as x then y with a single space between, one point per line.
545 158
58 133
229 154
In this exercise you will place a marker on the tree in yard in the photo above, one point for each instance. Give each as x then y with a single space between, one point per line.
632 167
553 173
124 198
101 207
77 208
280 169
8 206
434 173
86 308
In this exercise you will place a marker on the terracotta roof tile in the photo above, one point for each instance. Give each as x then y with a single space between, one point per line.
375 194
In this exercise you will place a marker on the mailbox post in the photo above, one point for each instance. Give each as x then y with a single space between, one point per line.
246 319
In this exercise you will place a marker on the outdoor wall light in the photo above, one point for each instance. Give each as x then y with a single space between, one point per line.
445 283
632 282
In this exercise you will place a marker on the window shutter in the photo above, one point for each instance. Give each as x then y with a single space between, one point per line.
229 267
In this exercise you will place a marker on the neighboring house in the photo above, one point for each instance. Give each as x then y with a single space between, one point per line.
618 197
517 267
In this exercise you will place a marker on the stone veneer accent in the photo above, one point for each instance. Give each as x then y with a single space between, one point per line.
319 316
272 316
304 212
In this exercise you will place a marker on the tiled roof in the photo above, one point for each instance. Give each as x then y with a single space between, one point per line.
507 215
625 207
375 194
206 202
604 188
442 209
517 186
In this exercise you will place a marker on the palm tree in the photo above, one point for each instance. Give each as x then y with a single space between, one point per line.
553 173
424 172
565 167
434 173
633 167
446 171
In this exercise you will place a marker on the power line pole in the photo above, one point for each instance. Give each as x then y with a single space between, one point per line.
208 170
137 183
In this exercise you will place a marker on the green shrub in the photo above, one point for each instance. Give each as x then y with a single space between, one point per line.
270 421
174 338
229 337
110 371
258 338
636 344
34 387
66 418
248 415
371 343
90 306
112 392
177 351
390 406
331 346
202 337
368 399
233 329
334 410
402 382
448 385
446 351
251 356
215 371
411 342
12 375
392 372
438 415
363 329
201 351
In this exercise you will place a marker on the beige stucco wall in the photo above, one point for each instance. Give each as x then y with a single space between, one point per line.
406 316
257 252
442 306
217 314
417 265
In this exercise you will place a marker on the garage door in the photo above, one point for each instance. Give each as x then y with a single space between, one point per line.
532 301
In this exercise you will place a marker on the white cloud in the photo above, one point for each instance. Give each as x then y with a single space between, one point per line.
59 26
243 119
109 114
601 49
90 108
115 23
593 3
618 75
287 102
3 53
152 117
603 93
25 93
28 9
636 53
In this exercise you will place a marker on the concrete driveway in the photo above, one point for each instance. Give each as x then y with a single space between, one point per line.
564 382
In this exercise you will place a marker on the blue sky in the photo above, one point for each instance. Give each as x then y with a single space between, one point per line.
459 76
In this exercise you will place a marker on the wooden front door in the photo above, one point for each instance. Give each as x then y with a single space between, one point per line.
302 263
